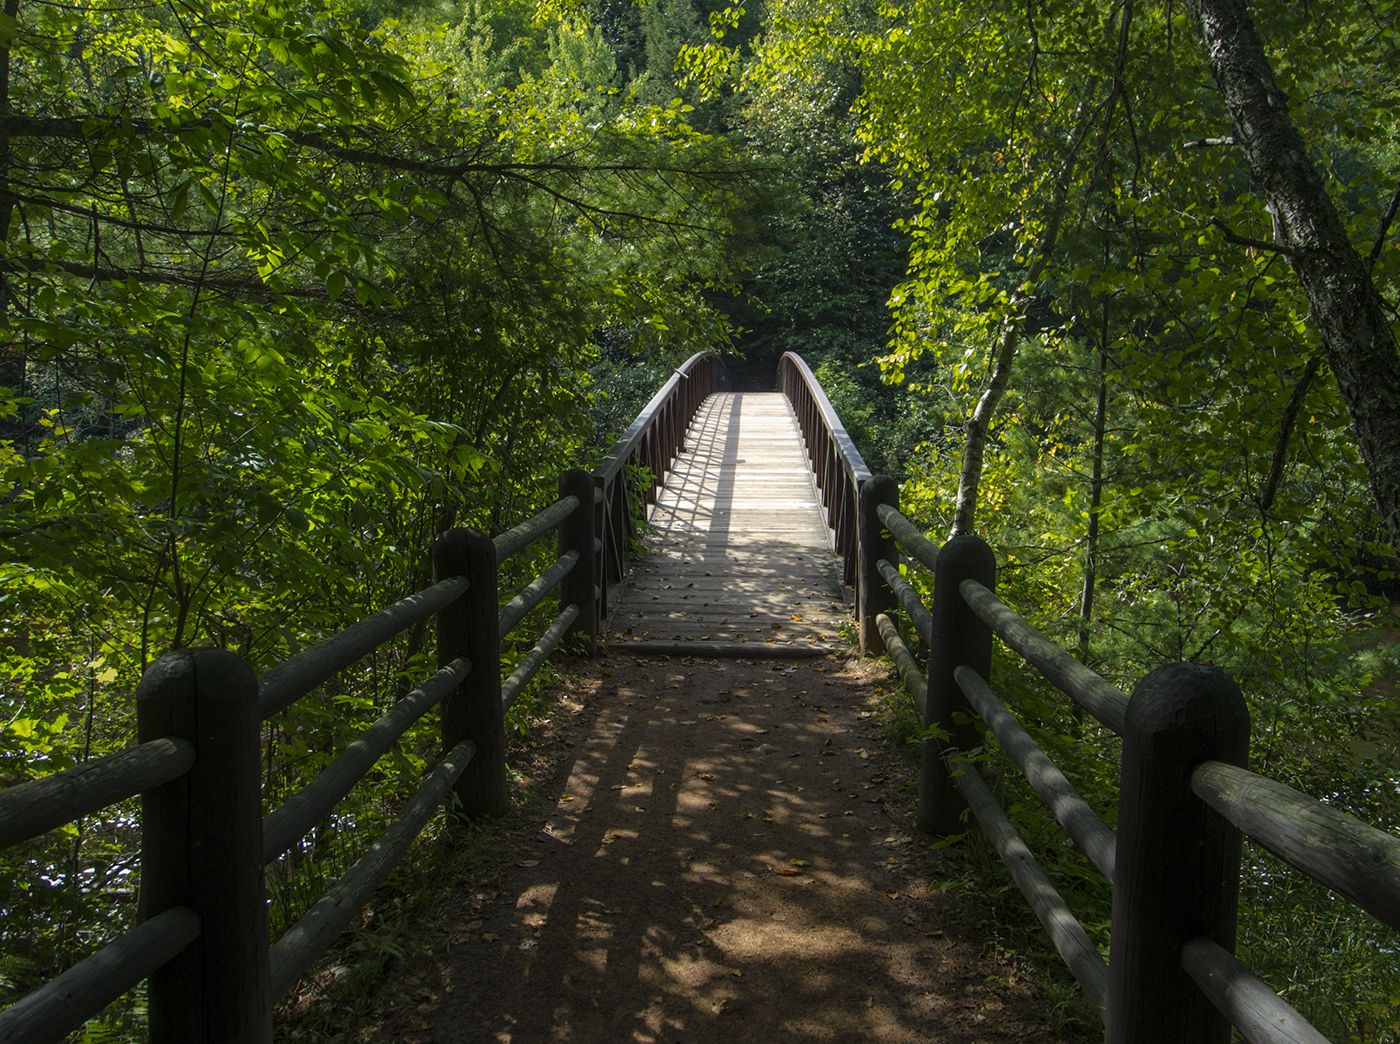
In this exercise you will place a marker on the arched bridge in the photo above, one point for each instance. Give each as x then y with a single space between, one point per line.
721 526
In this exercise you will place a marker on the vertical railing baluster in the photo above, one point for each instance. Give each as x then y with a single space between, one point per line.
576 534
873 595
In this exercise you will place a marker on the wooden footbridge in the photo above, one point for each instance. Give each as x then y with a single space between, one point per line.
738 558
761 518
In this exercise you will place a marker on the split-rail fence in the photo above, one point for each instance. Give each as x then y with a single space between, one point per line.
1186 797
202 942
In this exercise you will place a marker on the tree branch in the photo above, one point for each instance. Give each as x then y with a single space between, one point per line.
1290 418
1231 236
1385 227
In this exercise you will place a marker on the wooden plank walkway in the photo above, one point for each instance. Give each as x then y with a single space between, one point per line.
739 559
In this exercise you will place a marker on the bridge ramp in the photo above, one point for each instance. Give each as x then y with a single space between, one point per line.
739 560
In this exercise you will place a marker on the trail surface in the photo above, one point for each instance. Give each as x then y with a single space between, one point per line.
721 851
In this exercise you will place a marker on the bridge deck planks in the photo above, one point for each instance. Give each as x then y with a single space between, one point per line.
738 551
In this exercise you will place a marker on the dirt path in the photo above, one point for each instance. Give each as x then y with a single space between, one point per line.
726 856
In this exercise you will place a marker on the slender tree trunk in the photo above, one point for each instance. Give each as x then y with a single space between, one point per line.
1091 538
979 424
7 162
1345 305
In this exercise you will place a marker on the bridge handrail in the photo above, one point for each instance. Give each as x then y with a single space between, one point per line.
651 441
1185 799
838 466
196 768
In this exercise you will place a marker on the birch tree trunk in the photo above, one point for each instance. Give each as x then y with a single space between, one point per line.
1346 307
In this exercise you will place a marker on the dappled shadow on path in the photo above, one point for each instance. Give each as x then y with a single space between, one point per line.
728 858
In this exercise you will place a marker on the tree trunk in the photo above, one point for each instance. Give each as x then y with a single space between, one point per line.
1345 304
1091 537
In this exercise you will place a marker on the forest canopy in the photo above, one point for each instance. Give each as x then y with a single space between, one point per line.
287 289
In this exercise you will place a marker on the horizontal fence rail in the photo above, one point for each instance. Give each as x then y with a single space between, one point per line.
36 807
1185 802
202 942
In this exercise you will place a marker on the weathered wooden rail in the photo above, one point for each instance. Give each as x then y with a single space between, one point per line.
1185 799
202 941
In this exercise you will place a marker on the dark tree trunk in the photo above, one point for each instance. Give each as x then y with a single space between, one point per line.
1346 306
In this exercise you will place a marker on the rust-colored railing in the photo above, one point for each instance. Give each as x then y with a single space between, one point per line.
650 443
839 468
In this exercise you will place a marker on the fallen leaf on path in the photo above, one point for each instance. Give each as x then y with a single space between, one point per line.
786 871
705 775
800 862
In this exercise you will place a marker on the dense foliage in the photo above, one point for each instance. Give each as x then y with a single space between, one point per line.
1129 388
288 290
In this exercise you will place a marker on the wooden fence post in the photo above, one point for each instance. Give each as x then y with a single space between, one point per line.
1178 869
201 847
580 587
873 595
960 638
470 628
